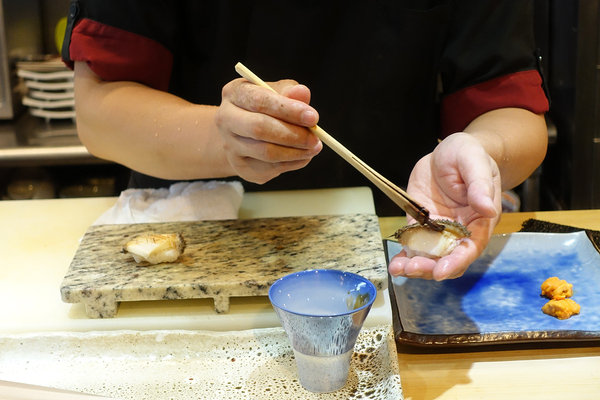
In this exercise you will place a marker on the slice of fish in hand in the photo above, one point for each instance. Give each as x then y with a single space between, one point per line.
155 248
421 240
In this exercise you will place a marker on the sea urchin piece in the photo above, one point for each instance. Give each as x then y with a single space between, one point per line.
561 308
421 240
155 248
556 289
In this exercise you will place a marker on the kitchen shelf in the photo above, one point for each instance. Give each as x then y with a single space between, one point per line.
31 141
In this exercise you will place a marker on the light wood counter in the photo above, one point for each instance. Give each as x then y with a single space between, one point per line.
509 372
511 222
42 235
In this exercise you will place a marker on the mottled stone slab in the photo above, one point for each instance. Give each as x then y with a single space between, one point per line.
223 259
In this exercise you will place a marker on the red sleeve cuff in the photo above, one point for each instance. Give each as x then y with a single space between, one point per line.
118 55
521 90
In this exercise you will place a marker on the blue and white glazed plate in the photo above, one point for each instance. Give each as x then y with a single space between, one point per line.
498 299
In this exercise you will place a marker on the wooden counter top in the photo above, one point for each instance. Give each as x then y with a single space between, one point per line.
31 237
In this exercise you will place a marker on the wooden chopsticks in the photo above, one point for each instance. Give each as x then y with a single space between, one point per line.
397 195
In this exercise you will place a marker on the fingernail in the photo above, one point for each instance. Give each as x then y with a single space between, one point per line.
308 118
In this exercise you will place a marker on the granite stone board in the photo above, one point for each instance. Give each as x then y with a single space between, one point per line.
222 259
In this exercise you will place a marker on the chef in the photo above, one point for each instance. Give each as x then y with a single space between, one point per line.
442 97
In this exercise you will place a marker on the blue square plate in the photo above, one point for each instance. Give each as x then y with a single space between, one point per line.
498 300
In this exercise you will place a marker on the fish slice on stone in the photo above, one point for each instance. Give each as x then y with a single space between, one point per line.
155 248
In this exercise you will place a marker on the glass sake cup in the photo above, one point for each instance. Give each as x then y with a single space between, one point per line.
322 311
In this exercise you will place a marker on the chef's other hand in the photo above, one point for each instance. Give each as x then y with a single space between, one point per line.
264 133
461 182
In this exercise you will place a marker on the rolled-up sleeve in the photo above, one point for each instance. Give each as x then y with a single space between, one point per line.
117 48
490 63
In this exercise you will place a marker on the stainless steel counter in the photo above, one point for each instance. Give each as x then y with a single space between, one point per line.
42 159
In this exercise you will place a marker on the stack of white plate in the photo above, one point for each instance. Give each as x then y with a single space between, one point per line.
49 89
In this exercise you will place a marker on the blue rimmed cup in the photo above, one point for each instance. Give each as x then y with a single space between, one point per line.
322 312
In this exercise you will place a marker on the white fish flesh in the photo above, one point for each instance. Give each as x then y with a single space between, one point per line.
155 248
421 240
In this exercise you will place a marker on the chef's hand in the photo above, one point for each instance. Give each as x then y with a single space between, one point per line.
264 133
461 182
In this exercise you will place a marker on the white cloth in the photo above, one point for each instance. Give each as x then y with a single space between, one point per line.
182 201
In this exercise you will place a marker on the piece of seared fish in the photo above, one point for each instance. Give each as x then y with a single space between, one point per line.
156 248
421 240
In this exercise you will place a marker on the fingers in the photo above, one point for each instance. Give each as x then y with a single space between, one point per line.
260 155
415 267
482 180
481 176
451 266
253 112
456 263
270 152
293 109
256 171
467 188
259 161
265 133
467 175
265 128
293 90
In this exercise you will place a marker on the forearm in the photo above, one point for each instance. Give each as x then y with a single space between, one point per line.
147 130
515 138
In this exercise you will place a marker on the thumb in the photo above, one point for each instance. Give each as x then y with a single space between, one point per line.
481 176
